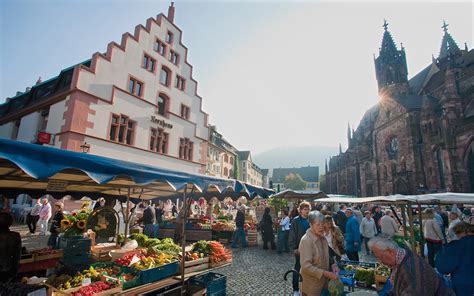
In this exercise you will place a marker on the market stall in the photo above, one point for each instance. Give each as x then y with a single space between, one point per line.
408 203
35 169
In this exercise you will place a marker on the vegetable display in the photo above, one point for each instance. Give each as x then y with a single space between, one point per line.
202 247
219 253
365 275
93 288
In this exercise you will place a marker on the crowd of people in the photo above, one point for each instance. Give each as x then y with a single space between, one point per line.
320 237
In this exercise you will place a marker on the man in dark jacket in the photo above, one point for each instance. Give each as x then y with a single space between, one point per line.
10 248
148 220
298 228
457 259
239 233
56 225
341 218
377 216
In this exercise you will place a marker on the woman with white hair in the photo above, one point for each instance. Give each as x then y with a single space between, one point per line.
411 275
314 257
44 215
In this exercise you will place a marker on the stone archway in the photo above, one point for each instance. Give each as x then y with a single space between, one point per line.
401 187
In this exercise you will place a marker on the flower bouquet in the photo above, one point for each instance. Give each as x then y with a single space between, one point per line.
75 224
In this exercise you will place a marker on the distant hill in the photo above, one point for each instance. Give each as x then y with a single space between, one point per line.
288 157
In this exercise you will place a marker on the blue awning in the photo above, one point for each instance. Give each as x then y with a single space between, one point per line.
25 166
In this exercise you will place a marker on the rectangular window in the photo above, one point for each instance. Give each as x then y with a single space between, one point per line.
43 120
185 111
174 57
159 141
135 87
185 149
180 83
122 129
149 63
16 128
160 47
169 37
165 76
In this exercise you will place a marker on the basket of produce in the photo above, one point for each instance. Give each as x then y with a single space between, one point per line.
365 277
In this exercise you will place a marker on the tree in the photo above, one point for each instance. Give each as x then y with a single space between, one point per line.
295 182
322 182
236 167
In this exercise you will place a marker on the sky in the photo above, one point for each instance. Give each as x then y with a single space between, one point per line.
271 73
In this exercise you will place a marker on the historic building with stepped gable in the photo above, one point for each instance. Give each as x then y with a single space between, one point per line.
137 101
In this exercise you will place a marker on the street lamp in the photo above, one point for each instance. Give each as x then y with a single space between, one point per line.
85 147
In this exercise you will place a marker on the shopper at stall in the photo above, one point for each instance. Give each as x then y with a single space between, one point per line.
433 235
388 225
455 219
239 233
283 232
148 220
56 225
367 230
33 216
457 259
267 230
340 218
100 203
44 215
352 236
377 216
334 237
314 257
10 248
411 275
298 229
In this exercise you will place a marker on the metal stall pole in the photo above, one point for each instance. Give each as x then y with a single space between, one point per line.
422 237
412 230
404 218
185 209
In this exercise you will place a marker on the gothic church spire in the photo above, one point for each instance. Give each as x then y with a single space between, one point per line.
391 65
448 45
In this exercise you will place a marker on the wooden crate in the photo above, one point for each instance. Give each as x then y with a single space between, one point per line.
196 265
212 264
224 241
58 254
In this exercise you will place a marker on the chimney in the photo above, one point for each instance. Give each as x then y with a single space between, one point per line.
39 80
171 12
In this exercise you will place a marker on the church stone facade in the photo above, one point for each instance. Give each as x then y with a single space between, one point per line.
419 137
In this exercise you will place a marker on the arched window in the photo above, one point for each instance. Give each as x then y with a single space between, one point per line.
162 103
226 172
165 76
231 160
226 158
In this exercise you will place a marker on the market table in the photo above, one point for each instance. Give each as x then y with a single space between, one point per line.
167 282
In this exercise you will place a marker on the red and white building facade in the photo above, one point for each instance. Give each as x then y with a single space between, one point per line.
136 102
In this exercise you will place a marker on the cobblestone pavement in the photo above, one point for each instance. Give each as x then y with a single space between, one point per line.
255 271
